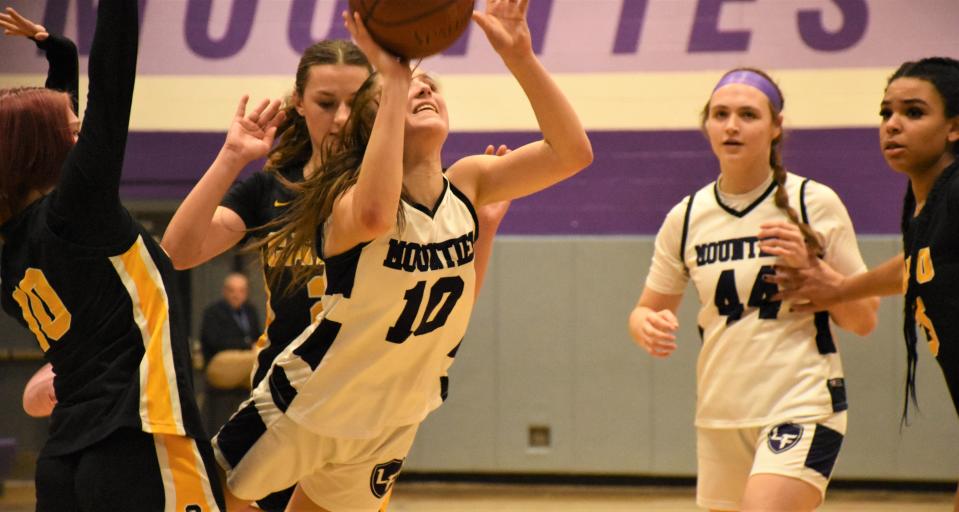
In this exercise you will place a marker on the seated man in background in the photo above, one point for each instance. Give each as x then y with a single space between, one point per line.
228 331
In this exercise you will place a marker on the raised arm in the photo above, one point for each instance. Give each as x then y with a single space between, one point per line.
368 208
565 148
63 72
201 229
64 67
87 198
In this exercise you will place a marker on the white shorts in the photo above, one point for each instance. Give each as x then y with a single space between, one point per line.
349 475
727 457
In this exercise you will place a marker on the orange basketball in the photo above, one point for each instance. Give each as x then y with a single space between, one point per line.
414 28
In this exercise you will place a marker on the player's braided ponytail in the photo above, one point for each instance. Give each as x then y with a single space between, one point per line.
814 242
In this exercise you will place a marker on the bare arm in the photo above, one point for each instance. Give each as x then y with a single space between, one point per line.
824 288
201 229
368 209
565 148
653 322
489 219
784 240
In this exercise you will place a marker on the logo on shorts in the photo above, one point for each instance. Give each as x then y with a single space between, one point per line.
785 436
383 476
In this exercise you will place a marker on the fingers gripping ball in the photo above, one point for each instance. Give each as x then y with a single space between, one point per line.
414 28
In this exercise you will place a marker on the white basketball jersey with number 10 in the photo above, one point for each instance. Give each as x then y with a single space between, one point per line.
759 364
394 313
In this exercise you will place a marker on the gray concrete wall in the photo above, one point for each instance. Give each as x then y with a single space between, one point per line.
548 346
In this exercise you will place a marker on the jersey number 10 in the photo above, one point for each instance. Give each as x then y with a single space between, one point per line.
44 312
448 288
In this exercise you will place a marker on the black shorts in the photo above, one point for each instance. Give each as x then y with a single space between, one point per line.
131 470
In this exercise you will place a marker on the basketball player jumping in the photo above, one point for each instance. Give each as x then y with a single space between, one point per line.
339 408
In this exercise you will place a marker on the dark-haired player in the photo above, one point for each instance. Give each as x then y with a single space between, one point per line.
919 136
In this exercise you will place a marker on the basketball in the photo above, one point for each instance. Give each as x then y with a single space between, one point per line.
414 28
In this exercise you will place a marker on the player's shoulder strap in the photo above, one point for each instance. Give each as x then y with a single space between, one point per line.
682 241
802 201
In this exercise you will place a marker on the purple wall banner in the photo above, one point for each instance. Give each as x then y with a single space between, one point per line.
242 37
635 179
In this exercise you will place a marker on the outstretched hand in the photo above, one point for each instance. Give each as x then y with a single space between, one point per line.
251 135
14 24
504 23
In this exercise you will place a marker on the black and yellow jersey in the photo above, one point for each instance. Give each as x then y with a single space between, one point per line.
91 284
259 200
931 250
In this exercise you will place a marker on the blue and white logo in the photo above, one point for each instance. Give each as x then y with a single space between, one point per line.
785 436
381 480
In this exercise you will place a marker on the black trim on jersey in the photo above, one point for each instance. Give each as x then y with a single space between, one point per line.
444 387
439 200
277 501
314 348
281 390
802 201
837 392
240 434
824 450
469 206
456 349
682 241
760 199
824 341
340 269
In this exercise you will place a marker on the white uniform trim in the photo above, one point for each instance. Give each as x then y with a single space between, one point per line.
160 410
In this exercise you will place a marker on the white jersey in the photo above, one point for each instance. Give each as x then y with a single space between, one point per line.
759 363
394 313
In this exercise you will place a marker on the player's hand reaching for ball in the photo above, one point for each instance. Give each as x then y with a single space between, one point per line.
388 65
504 23
655 331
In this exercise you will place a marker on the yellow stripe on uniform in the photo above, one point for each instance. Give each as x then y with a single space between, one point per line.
185 480
159 395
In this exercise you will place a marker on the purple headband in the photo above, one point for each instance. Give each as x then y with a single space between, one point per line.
756 81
